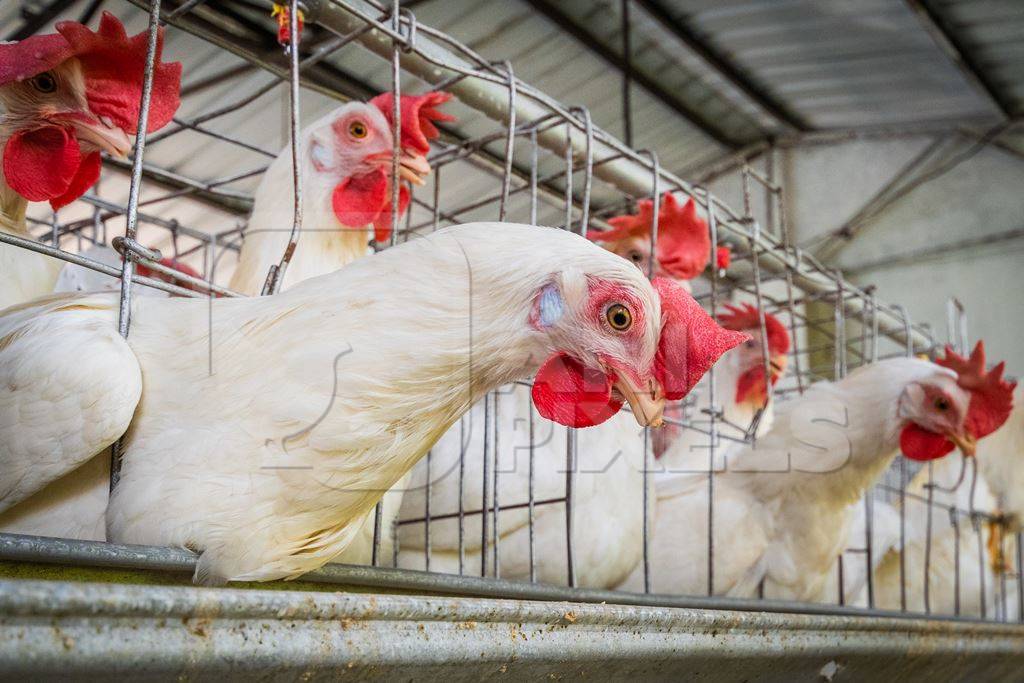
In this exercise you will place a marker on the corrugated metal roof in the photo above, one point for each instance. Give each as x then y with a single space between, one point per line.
841 64
994 31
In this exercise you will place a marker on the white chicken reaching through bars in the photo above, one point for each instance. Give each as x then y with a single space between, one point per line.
263 440
783 507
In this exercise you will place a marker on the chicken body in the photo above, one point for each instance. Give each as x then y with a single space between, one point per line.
606 502
782 508
999 460
264 438
957 560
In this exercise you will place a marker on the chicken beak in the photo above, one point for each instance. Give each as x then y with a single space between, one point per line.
108 138
965 442
647 403
413 167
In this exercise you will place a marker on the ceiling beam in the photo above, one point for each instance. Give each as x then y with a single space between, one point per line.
942 31
725 66
691 113
938 251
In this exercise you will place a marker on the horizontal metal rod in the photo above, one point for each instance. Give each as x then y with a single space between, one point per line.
45 550
39 248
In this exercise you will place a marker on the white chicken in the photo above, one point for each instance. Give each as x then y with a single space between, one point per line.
964 561
346 194
67 96
783 507
1000 461
342 152
346 200
608 481
963 544
264 439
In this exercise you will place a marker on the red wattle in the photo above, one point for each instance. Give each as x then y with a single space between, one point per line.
41 164
750 385
918 443
366 199
86 176
357 200
571 394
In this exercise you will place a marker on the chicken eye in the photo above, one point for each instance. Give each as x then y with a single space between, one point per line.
619 317
44 82
358 130
941 403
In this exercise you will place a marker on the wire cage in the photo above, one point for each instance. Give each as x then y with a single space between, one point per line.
516 155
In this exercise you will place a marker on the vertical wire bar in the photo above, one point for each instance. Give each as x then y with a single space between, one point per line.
506 176
531 498
780 199
485 485
1020 578
588 167
954 519
713 413
841 356
1002 570
903 534
840 574
396 113
976 523
533 176
531 494
426 514
981 566
132 217
769 189
869 515
646 498
568 176
275 278
462 492
506 184
570 486
394 541
396 152
762 324
907 329
627 76
437 199
496 505
928 539
874 328
570 433
378 522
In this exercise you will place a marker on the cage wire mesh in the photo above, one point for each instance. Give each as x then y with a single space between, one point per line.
516 155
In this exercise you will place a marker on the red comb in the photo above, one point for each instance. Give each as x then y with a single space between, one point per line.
723 257
745 317
691 341
418 116
683 246
113 66
991 395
